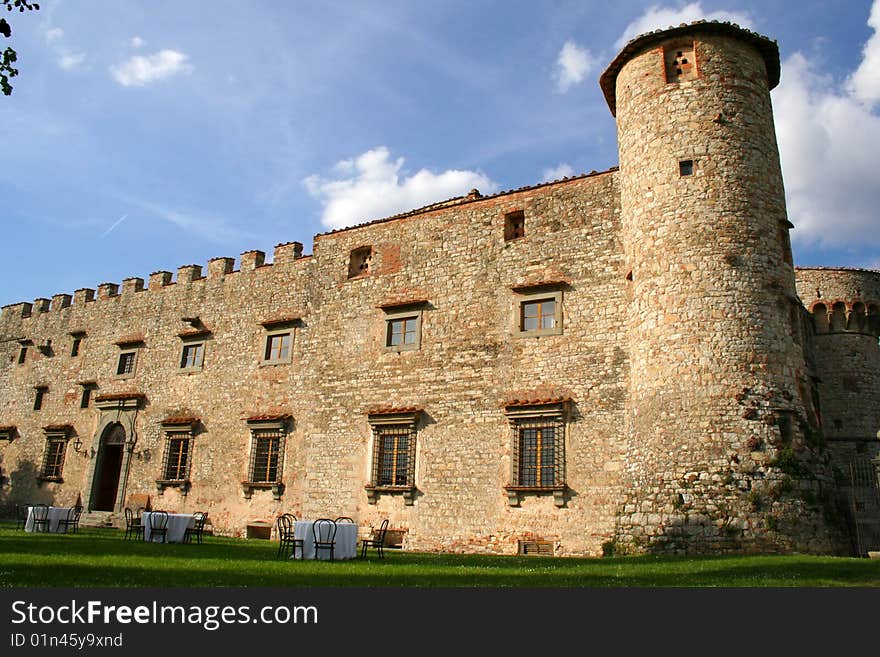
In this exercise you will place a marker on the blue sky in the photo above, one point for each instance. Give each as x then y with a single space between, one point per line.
146 135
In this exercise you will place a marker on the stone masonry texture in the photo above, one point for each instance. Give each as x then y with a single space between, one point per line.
713 393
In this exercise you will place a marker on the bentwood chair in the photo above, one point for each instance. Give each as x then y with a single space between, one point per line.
159 525
286 539
41 517
21 512
324 533
198 528
344 519
133 525
71 521
377 540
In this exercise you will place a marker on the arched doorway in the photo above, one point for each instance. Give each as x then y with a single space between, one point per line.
108 468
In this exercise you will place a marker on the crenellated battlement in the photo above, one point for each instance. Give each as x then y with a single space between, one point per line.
217 269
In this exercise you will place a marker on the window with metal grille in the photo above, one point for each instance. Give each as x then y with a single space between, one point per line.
539 462
277 347
193 356
537 450
266 448
53 461
126 363
393 456
177 449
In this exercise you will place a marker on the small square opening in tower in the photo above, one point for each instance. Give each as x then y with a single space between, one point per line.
680 62
514 225
686 167
359 261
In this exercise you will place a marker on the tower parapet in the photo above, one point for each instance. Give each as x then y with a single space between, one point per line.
716 363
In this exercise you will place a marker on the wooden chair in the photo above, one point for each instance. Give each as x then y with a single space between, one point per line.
324 533
286 539
133 525
198 528
71 521
21 513
159 525
377 540
41 517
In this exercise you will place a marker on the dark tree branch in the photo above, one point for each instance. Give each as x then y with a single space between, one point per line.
9 56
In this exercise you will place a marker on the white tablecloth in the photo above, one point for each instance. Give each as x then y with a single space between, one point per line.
56 515
346 540
177 526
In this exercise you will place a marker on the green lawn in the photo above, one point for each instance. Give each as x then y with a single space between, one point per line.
100 557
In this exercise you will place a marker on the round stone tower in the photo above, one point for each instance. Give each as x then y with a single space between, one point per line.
722 454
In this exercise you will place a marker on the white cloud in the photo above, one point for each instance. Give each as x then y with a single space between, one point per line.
864 84
657 17
828 140
137 42
71 60
139 70
54 34
371 186
561 171
573 64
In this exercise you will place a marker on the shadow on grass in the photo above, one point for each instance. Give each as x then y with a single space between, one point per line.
100 557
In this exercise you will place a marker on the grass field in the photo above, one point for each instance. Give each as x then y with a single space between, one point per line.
101 557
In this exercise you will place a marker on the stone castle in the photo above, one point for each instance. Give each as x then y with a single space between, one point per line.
619 362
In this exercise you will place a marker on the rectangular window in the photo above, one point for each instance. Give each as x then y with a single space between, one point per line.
193 356
278 348
39 398
394 453
126 365
686 167
539 314
22 355
74 349
537 463
393 456
265 454
86 397
537 450
514 225
402 332
177 457
53 462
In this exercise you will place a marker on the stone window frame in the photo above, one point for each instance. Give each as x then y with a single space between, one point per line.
400 313
533 295
386 423
275 328
54 455
537 415
263 428
183 429
193 341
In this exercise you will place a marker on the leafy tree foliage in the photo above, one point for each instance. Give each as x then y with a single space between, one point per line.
8 57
